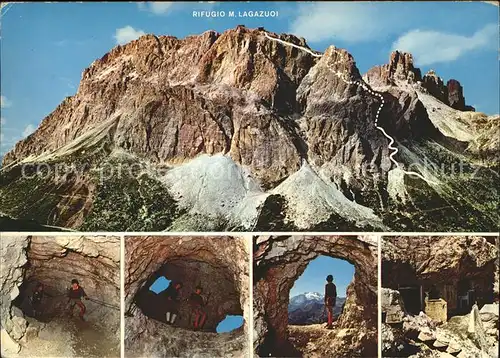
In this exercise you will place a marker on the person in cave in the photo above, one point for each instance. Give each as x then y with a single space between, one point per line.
330 299
197 303
172 301
75 295
36 300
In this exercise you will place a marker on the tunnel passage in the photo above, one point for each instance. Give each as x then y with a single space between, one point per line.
220 265
460 270
279 261
54 262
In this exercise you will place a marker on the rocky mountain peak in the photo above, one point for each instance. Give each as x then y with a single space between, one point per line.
247 104
450 94
399 68
240 63
435 86
456 97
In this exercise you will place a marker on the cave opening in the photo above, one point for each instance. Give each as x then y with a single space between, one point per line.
307 296
220 297
282 263
41 310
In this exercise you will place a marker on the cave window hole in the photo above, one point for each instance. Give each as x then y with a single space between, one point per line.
230 323
306 299
222 299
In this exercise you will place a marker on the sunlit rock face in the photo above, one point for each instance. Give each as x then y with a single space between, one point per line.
54 262
234 131
279 261
220 265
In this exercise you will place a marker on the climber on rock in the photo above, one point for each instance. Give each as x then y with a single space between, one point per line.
75 295
36 300
330 299
172 300
198 303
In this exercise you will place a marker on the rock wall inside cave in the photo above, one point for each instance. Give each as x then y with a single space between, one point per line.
218 264
279 261
54 262
454 265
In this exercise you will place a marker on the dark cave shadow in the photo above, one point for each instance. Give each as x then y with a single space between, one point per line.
272 347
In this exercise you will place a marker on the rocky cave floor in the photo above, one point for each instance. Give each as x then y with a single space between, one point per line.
58 333
162 340
305 338
418 336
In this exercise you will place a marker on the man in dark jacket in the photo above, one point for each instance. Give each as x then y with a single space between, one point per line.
36 300
330 299
197 303
172 298
75 295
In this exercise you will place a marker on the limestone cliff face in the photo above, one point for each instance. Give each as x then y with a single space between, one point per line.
234 130
220 265
279 261
55 261
174 99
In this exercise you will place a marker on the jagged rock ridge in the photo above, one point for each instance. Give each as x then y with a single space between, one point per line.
267 135
309 308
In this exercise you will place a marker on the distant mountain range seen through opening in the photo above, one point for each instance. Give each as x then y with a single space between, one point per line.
309 308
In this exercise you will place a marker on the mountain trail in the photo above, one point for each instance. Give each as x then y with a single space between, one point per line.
393 150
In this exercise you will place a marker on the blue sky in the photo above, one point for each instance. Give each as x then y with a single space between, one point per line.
314 277
226 325
45 47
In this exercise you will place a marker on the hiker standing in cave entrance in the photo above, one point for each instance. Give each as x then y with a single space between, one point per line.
197 303
75 295
36 300
330 299
172 301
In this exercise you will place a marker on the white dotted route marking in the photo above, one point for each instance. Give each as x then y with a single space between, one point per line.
393 150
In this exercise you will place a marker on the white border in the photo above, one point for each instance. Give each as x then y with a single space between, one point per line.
379 300
122 296
242 234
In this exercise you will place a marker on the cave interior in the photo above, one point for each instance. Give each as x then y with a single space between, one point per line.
54 266
460 291
56 273
221 296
